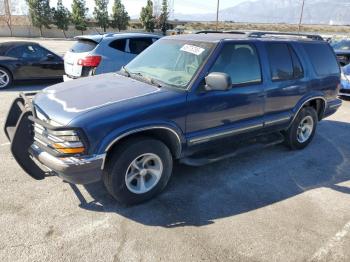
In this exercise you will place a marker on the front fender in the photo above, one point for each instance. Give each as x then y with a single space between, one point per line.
105 144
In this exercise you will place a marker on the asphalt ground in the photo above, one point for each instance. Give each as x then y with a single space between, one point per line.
271 205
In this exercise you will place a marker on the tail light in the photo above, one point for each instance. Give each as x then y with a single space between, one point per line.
91 61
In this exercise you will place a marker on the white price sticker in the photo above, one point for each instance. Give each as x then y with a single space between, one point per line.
192 49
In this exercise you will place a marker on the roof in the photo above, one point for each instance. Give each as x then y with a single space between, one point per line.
17 43
216 37
98 38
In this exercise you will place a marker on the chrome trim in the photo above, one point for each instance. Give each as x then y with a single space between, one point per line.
137 131
335 105
343 94
308 100
277 121
223 134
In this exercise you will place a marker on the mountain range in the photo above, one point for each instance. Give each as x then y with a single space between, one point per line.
280 11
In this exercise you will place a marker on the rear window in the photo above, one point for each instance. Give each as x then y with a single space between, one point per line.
322 58
82 46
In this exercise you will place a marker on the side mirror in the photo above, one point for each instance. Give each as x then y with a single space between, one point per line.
218 81
50 57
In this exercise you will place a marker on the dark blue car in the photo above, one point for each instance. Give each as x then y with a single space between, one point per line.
197 98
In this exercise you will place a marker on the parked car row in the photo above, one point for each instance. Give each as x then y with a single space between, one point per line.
197 98
89 55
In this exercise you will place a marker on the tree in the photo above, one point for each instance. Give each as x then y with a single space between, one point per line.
146 17
61 17
79 15
120 17
101 13
40 13
7 17
164 16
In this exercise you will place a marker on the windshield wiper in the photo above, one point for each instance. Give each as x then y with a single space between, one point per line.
126 71
148 79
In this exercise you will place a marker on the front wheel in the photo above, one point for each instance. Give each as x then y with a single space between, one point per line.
303 128
138 170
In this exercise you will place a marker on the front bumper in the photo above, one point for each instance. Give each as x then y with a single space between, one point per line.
37 162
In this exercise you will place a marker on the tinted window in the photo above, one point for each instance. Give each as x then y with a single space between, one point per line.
322 58
241 62
118 44
82 46
298 71
29 52
281 64
137 45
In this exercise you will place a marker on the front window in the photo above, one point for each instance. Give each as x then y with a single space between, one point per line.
171 62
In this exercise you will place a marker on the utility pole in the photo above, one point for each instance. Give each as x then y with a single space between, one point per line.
217 15
301 16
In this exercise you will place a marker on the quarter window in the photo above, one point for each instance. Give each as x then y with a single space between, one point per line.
240 62
118 44
137 45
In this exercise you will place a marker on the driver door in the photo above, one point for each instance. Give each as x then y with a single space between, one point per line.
218 114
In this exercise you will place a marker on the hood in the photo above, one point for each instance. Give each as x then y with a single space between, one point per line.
65 101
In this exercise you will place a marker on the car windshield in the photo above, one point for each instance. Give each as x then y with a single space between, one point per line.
170 62
342 45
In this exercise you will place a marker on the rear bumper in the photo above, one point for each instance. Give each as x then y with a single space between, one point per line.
332 107
18 129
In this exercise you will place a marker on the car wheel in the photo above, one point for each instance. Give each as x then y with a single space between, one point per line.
5 78
138 170
303 128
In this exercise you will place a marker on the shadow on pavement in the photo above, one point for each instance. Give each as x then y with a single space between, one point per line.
30 86
197 196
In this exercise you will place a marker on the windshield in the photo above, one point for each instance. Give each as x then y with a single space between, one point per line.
171 62
342 45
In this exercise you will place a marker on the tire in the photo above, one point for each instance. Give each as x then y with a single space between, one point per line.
5 78
145 154
298 136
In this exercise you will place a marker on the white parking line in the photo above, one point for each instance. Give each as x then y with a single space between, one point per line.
5 144
331 244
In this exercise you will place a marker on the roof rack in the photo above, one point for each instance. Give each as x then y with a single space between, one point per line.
221 32
259 34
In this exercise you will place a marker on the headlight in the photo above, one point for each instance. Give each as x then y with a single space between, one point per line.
344 77
62 141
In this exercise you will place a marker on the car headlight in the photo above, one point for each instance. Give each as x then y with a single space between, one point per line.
62 141
344 77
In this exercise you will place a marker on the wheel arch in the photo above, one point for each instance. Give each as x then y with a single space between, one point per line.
319 103
171 138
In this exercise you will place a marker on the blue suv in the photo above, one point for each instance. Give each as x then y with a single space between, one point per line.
196 98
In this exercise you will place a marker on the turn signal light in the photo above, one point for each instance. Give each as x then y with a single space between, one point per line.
68 150
91 61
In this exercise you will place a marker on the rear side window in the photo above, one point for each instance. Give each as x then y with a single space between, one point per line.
281 64
118 44
322 58
284 63
137 45
82 46
241 62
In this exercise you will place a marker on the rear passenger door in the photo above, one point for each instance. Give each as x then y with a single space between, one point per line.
286 83
136 45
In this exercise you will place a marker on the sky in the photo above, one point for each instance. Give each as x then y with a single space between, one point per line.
180 6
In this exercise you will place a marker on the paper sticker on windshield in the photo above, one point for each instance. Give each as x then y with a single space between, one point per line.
192 49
